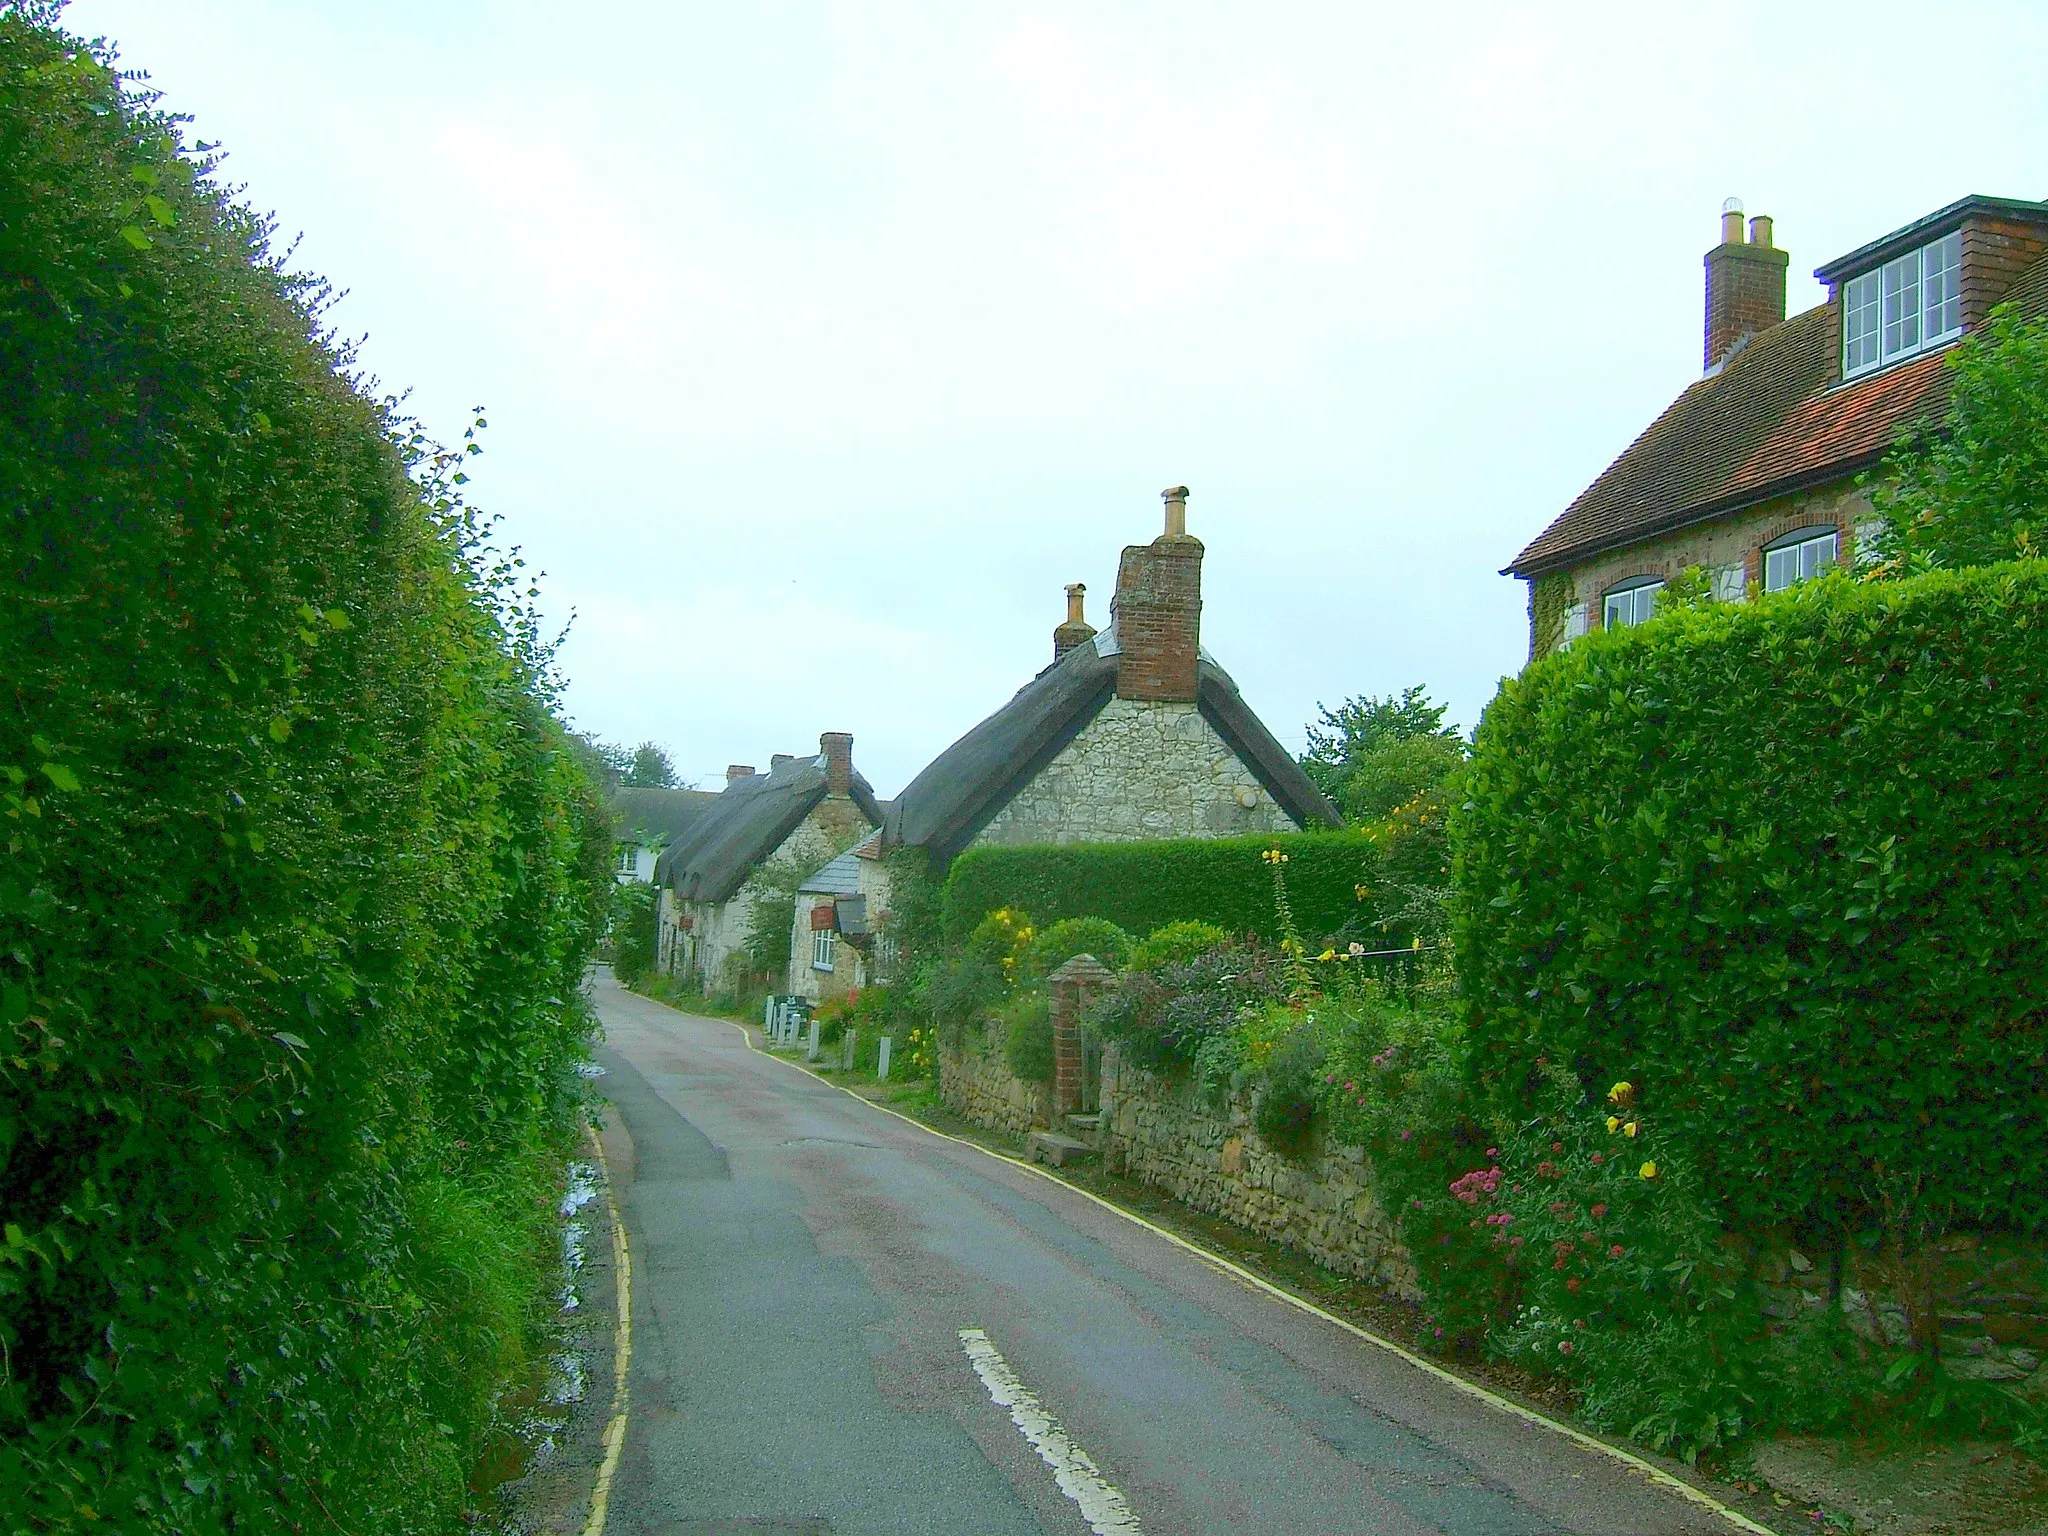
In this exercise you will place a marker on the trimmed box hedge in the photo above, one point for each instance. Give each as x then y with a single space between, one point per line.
1782 866
1143 886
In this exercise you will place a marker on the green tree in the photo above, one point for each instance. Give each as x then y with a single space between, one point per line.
1374 755
650 768
1974 491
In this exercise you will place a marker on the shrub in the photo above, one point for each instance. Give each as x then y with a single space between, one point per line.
633 932
1289 1091
300 879
1161 1018
1976 492
1027 1036
1142 886
1174 943
1054 946
1780 864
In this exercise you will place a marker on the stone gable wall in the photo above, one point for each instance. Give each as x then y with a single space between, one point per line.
1140 769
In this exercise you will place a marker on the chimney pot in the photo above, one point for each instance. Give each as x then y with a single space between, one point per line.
1077 629
836 747
1760 230
1176 499
1731 221
737 771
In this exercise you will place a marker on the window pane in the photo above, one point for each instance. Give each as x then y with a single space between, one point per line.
1941 286
1781 569
1646 604
1859 323
1617 610
1816 555
1902 305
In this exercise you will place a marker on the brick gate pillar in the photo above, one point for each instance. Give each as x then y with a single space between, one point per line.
1070 988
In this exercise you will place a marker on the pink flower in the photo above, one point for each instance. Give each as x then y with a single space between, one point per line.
1406 1134
1615 1251
1564 1346
1492 1153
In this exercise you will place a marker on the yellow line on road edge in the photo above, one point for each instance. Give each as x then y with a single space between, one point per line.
1649 1470
622 1357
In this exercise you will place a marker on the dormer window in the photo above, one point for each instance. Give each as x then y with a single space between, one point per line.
1632 602
1903 307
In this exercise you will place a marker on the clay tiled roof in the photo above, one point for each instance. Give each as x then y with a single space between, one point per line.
1771 422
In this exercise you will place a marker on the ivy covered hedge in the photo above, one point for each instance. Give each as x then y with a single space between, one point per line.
1144 886
299 877
1781 865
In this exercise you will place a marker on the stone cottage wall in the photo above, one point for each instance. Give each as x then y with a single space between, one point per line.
1160 1133
978 1085
1139 769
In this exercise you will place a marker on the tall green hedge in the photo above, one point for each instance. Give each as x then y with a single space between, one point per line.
1143 886
1782 866
299 880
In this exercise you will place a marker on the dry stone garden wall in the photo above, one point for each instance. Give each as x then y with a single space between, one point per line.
978 1085
1159 1132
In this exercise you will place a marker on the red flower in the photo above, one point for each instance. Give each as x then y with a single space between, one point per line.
1557 1146
1614 1252
1599 1211
1599 1157
1572 1285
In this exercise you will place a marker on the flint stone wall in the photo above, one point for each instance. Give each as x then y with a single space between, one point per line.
1160 1133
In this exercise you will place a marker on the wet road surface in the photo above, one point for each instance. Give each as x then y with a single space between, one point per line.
844 1323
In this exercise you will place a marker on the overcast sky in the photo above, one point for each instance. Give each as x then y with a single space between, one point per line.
823 344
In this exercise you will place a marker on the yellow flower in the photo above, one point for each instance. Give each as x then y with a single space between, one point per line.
1649 1170
1613 1125
1328 954
1621 1093
1629 1129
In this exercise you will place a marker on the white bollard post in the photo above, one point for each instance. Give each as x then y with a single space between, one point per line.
851 1041
882 1071
767 1015
813 1052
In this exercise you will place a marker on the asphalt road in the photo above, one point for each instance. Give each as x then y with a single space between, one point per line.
805 1267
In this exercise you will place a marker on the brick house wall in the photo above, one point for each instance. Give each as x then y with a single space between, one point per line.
1736 541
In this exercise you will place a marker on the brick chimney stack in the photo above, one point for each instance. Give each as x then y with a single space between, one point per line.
1745 283
836 747
1158 610
734 772
1077 630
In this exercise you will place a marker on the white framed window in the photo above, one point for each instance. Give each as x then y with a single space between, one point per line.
1800 555
1631 603
824 949
1905 306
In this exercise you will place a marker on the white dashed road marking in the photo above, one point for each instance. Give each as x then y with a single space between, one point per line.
1102 1506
